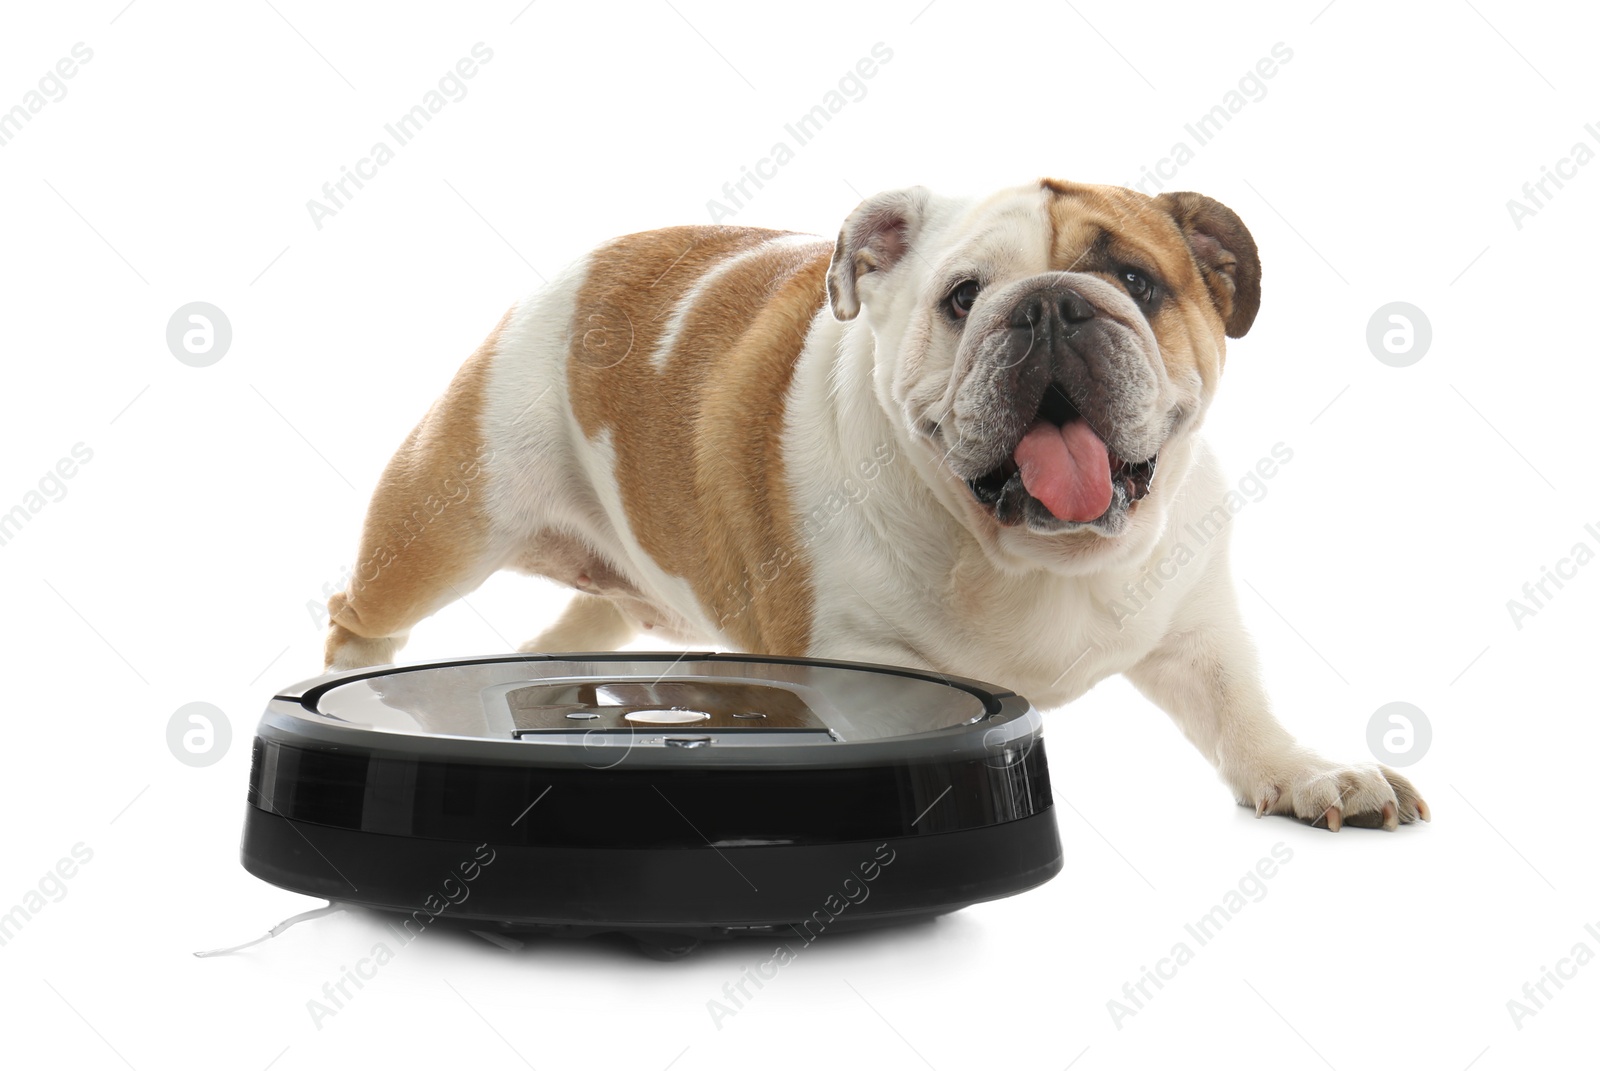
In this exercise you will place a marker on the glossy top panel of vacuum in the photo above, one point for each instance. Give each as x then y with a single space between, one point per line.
590 709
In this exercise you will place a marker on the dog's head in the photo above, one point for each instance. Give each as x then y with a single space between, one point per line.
1048 347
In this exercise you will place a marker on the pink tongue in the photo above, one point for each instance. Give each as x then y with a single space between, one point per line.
1067 469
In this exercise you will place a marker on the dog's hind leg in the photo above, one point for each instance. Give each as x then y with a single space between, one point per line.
589 623
428 538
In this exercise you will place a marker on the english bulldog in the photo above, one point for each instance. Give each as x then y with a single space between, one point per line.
955 438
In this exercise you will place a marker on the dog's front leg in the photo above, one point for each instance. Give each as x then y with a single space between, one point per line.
1204 674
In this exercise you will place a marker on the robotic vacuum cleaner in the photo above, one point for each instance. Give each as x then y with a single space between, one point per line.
671 797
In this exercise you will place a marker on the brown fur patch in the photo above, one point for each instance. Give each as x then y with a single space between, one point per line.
1187 327
699 461
426 528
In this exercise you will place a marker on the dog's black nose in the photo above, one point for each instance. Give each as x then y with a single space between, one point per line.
1057 307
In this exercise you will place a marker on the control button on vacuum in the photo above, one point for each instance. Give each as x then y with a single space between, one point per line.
666 717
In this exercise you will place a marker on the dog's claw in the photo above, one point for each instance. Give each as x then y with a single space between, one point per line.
1331 796
1391 816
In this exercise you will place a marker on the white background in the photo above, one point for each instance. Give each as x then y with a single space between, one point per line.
220 500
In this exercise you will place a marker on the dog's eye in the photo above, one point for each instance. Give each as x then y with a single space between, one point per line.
1138 284
961 299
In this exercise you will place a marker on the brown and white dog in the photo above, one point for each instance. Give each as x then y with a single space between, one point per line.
948 440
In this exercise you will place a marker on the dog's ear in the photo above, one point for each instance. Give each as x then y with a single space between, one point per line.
874 238
1225 252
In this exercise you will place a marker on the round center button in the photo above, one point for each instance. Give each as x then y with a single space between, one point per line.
666 717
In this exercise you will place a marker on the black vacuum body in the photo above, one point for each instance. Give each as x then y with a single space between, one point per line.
673 797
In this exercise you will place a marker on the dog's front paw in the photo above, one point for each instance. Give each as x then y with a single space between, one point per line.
1320 792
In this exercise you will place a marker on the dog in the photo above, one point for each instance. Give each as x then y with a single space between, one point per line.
955 438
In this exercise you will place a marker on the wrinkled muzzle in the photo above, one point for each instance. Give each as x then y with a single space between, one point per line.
1057 417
